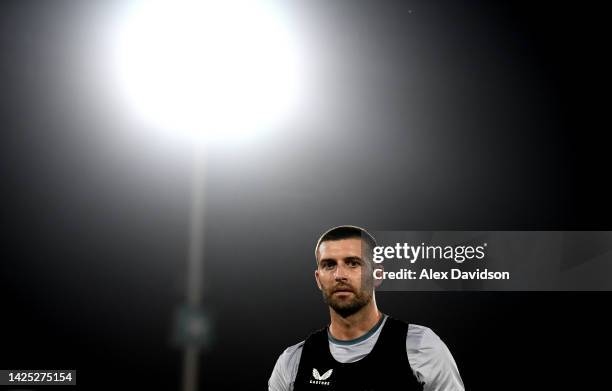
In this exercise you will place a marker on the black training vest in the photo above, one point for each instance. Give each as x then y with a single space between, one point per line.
386 367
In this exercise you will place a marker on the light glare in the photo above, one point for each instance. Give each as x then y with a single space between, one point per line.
212 68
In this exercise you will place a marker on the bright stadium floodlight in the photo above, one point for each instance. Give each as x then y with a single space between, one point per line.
211 69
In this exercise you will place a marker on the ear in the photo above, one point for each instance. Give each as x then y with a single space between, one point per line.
317 279
378 281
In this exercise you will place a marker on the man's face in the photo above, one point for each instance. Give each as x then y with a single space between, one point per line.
344 275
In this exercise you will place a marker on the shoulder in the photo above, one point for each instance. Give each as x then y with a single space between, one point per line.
285 369
291 355
420 338
430 359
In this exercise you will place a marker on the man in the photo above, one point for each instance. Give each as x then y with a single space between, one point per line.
362 348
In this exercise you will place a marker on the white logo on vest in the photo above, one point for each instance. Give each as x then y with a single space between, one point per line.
320 379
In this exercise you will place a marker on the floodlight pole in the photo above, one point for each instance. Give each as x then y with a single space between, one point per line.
195 262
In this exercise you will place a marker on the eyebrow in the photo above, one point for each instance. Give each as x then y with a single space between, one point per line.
353 258
321 261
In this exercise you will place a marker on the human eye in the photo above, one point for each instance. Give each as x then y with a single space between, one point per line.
328 265
353 263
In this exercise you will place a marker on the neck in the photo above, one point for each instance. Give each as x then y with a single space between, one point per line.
355 325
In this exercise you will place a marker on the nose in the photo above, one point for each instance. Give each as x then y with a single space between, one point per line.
340 274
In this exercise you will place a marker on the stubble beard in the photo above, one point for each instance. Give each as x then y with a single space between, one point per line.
347 307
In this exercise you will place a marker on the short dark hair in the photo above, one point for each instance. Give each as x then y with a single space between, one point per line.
347 232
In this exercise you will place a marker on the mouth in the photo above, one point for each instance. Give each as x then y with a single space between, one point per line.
344 290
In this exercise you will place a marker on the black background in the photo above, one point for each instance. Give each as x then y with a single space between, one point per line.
478 115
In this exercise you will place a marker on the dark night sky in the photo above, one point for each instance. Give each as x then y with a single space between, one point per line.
430 115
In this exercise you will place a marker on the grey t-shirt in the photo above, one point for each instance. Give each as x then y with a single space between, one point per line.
429 358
